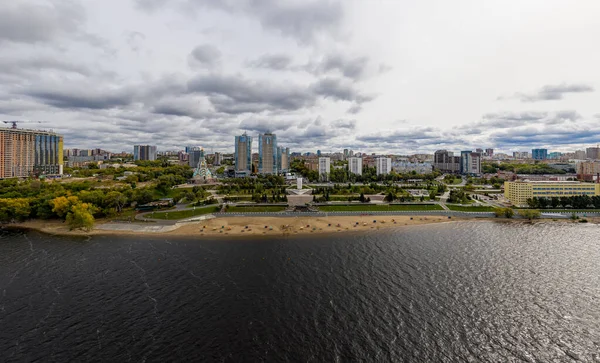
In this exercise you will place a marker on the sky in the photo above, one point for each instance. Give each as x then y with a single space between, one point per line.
377 76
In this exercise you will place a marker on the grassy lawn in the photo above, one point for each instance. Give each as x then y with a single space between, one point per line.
184 213
254 208
460 208
379 208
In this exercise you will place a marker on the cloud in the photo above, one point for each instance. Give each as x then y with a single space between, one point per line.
135 40
36 64
278 62
205 55
228 92
27 21
303 20
266 125
551 92
351 67
80 96
339 89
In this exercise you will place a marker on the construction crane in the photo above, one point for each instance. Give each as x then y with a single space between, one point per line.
14 123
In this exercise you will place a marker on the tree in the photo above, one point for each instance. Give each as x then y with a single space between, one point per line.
62 205
81 217
390 197
530 213
14 209
115 200
504 212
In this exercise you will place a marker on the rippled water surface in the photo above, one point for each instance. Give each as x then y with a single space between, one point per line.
456 292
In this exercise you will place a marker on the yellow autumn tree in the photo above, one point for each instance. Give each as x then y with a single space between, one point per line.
14 209
62 205
81 216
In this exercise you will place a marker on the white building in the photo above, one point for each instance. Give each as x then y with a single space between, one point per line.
384 165
324 167
355 165
407 166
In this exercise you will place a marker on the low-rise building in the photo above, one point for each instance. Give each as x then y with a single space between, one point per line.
519 191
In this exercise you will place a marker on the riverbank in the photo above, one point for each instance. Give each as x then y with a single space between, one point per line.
241 226
254 226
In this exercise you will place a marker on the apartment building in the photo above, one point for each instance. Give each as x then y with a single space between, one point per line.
519 191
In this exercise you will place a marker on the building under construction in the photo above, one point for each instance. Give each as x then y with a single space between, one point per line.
30 153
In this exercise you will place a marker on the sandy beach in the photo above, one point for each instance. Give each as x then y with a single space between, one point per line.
243 226
274 226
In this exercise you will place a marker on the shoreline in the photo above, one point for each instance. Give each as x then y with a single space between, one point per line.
242 226
264 226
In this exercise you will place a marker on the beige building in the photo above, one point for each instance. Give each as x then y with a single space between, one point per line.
588 170
26 153
518 192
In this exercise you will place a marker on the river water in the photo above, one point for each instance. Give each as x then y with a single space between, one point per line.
452 292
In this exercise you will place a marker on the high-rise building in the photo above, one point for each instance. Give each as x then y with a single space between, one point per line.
489 152
218 158
144 152
593 153
267 153
243 153
355 165
446 162
346 154
195 155
283 158
470 162
318 152
324 168
539 154
25 153
383 165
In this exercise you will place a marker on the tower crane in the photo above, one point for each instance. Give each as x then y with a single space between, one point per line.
14 123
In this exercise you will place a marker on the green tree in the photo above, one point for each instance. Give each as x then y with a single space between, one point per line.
116 200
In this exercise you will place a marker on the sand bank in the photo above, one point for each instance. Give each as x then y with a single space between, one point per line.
243 226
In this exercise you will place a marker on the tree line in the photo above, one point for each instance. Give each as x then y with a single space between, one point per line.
575 202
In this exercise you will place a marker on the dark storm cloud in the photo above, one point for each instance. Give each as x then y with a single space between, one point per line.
33 22
299 19
205 55
552 92
278 62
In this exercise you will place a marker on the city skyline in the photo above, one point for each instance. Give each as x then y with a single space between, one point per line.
328 75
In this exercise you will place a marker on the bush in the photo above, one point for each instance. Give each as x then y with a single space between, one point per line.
530 213
504 212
